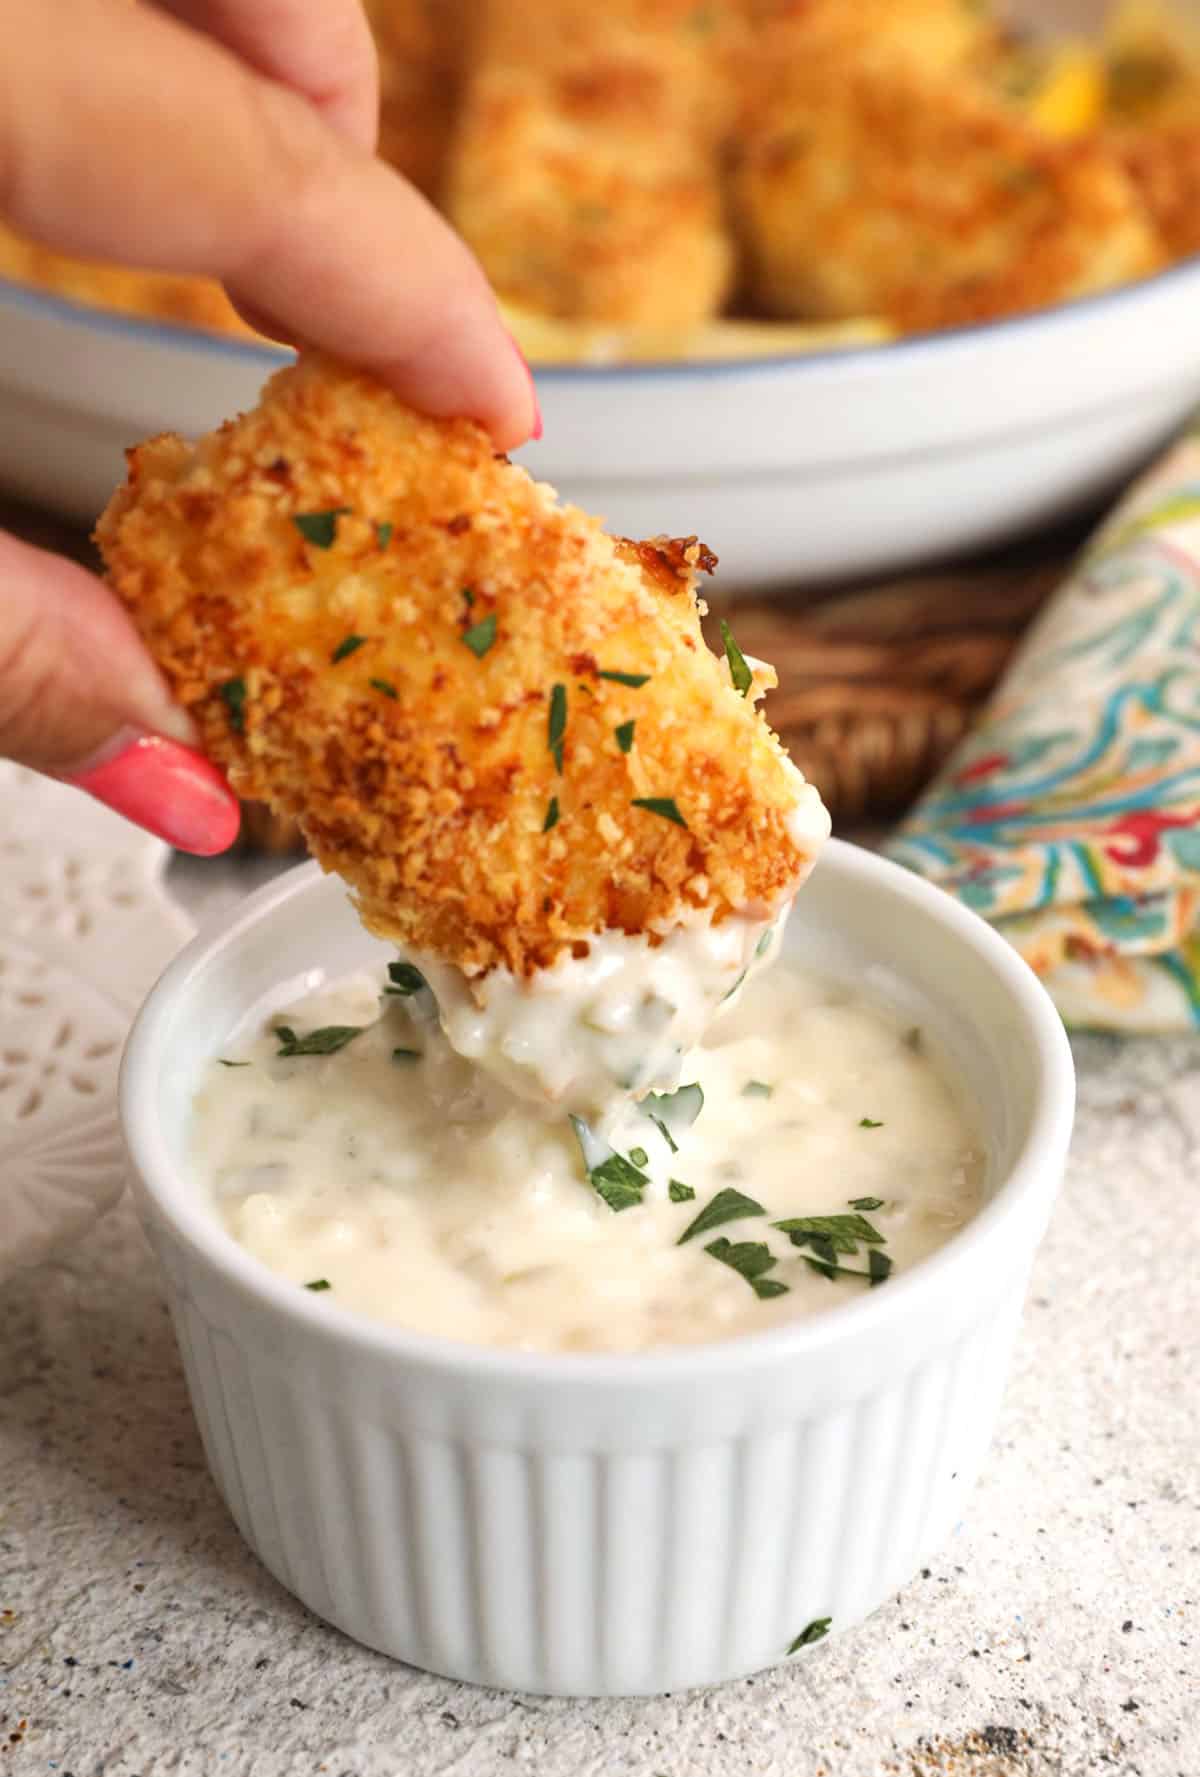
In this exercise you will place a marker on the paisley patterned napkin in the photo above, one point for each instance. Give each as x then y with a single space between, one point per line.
1070 817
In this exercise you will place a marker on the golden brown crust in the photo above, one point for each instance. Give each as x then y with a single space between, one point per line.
585 167
939 36
1164 165
866 186
433 802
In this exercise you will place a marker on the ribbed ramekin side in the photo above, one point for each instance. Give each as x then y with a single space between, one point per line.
586 1569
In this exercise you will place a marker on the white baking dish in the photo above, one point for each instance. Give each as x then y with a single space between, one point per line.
607 1524
793 469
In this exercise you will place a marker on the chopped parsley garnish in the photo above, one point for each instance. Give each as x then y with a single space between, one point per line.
831 1236
739 671
383 532
825 1263
221 1062
469 596
481 635
407 1054
827 1237
611 1176
727 1206
817 1630
619 1182
678 1192
869 1123
765 942
867 1203
325 1041
624 736
750 1259
757 1089
384 685
551 819
557 725
404 979
879 1266
349 645
233 695
674 1110
736 985
318 1284
633 680
666 806
842 1233
639 1156
319 528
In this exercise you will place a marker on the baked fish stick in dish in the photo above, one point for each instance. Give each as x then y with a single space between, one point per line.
867 186
501 726
940 36
586 167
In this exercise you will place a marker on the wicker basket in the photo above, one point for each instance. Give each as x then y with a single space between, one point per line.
877 687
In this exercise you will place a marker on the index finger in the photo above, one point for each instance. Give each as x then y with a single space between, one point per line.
323 49
124 135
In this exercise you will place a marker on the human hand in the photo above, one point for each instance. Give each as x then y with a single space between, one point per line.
231 138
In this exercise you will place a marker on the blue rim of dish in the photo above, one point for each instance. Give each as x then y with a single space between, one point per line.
207 343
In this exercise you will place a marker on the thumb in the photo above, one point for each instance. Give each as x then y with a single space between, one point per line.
81 700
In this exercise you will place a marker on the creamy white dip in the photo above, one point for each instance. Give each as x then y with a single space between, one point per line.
595 1030
420 1190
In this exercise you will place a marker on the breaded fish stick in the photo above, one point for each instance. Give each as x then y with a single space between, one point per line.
585 170
1163 161
419 69
865 186
939 36
500 725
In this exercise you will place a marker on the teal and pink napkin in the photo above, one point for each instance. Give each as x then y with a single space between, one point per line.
1070 817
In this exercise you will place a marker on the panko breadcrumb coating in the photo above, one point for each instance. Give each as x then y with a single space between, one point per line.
939 36
460 689
1164 164
585 167
865 186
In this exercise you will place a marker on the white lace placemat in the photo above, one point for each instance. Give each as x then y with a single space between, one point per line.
86 927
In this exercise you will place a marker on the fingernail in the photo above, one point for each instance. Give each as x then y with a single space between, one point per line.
537 428
169 789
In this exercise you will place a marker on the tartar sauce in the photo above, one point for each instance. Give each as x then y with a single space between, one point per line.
396 1175
597 1029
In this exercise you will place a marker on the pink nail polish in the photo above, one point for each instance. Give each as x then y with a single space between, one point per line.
169 789
537 428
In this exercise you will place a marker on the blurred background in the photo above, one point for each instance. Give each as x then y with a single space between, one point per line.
883 298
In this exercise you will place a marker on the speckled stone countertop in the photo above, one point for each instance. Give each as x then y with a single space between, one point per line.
1055 1636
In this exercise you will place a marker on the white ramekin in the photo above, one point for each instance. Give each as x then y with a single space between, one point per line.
610 1524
